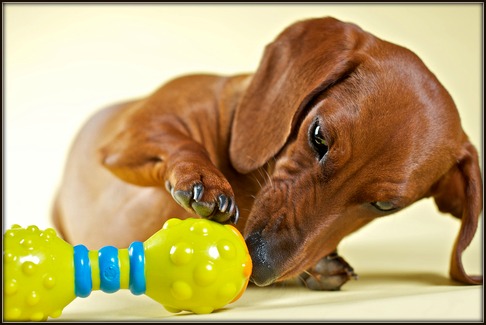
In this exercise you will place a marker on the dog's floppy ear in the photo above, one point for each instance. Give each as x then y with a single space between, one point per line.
302 62
459 192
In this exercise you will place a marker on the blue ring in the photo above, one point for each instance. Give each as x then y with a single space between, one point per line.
109 269
137 268
82 272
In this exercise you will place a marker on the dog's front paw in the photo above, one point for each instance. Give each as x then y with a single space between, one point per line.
330 273
203 191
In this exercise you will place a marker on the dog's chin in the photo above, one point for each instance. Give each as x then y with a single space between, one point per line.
262 282
263 276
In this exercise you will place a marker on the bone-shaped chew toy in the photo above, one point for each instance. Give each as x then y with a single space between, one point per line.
195 265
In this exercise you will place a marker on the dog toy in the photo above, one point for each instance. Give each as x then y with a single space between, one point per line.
194 265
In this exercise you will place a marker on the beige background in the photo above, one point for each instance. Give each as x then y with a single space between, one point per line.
63 62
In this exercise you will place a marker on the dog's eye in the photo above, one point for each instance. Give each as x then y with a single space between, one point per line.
384 206
318 141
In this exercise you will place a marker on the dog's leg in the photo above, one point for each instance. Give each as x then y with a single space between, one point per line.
168 156
330 273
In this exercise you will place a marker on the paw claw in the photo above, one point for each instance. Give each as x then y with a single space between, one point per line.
198 192
222 202
231 207
236 216
227 210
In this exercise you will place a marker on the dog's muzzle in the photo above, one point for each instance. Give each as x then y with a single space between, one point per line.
264 268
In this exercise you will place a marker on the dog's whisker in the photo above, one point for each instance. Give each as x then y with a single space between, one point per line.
252 196
258 181
303 281
269 178
262 175
307 272
312 275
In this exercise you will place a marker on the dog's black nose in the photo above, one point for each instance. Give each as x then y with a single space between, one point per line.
264 272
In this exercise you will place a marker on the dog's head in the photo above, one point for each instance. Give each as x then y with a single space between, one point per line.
353 128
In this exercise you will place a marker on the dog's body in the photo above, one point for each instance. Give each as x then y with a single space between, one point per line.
336 128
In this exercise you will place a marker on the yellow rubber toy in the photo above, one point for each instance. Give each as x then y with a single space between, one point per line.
194 265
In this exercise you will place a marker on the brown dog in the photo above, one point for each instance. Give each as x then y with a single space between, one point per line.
335 129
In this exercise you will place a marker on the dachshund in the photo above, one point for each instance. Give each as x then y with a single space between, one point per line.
334 129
